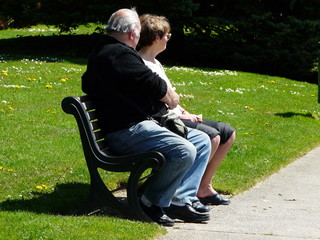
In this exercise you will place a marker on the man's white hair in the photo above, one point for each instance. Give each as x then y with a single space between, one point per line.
123 21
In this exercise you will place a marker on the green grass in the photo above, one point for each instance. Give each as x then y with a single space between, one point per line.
25 225
44 30
43 174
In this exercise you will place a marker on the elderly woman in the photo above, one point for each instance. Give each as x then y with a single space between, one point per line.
155 33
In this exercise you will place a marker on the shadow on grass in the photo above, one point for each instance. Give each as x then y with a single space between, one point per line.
293 114
66 199
74 46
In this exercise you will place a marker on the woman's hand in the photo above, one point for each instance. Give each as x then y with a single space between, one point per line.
191 117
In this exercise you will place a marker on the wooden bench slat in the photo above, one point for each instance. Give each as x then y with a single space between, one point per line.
95 125
92 115
88 105
99 135
103 146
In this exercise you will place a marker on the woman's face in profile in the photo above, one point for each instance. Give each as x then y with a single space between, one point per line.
162 42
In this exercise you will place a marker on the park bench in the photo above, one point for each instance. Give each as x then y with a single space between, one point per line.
98 156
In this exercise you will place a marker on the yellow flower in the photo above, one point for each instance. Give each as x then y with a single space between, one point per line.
51 111
250 108
48 86
10 170
32 79
64 79
1 167
11 108
43 186
267 124
246 133
5 72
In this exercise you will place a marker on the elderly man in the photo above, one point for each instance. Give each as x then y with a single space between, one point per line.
126 92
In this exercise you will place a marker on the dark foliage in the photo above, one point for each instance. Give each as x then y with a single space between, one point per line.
264 36
274 37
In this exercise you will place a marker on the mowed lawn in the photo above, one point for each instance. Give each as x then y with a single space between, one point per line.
43 175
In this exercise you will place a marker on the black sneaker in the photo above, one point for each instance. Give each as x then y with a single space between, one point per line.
157 215
186 213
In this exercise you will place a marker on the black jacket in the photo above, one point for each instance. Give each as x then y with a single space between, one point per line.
118 81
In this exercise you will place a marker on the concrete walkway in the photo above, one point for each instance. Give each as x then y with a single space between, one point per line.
286 206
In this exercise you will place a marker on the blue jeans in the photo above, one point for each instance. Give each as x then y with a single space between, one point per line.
186 160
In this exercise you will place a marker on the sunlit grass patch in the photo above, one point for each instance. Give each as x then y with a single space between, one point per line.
44 30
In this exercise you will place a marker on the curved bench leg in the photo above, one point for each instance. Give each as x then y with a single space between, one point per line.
133 192
100 196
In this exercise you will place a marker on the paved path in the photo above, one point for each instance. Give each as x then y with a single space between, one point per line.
286 206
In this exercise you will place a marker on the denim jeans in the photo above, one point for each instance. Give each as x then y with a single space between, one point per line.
186 160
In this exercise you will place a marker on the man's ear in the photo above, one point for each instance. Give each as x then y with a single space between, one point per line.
131 35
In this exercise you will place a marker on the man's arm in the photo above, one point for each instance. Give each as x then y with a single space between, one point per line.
131 68
171 98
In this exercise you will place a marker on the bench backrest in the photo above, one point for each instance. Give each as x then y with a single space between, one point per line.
94 144
92 136
93 122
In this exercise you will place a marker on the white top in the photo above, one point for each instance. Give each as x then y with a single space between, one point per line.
158 68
